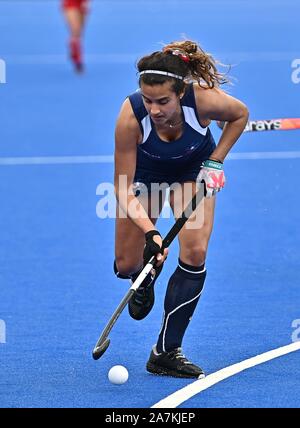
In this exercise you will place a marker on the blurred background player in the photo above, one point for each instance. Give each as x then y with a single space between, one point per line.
75 12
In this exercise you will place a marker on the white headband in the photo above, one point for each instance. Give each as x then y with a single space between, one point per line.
164 73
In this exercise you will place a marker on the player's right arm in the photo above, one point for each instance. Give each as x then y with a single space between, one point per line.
127 137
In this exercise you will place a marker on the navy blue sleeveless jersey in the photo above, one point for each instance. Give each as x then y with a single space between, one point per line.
180 160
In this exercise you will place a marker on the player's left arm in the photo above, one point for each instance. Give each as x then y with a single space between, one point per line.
214 104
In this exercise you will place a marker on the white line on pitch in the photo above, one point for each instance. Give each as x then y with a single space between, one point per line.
53 160
194 388
263 155
130 58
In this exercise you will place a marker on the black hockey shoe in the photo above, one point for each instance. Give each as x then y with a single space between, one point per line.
173 364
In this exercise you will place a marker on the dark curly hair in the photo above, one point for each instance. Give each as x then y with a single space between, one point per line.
183 58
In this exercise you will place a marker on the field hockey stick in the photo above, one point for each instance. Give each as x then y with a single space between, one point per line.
268 125
103 341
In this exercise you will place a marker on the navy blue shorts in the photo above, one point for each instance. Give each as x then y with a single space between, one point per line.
171 172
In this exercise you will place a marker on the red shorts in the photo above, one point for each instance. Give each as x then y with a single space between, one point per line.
82 5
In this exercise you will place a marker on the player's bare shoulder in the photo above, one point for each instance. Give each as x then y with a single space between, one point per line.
203 95
127 123
210 101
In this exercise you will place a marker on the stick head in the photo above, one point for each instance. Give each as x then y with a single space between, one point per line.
100 349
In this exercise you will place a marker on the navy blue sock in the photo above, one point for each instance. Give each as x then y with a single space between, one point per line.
183 293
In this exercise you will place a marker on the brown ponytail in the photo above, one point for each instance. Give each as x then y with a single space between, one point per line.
185 59
202 65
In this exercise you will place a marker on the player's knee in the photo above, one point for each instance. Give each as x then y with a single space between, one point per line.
195 255
124 268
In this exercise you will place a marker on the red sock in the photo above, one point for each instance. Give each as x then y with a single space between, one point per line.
75 52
